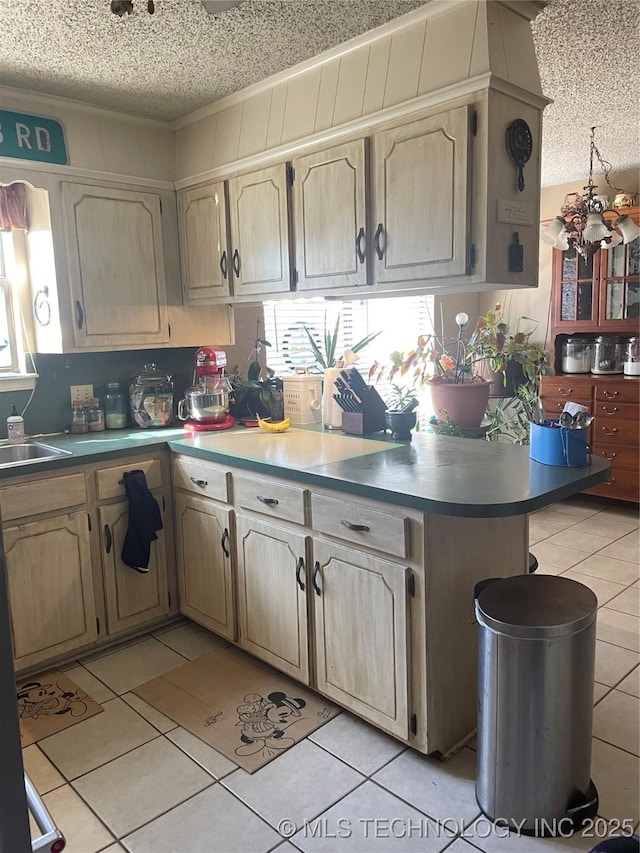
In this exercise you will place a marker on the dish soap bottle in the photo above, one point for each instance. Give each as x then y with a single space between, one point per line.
15 427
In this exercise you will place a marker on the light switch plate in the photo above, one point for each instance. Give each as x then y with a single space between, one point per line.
81 392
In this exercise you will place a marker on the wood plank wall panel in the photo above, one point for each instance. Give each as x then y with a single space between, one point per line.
186 149
228 135
497 55
457 27
276 117
520 55
351 83
327 95
255 123
206 146
300 110
376 76
404 65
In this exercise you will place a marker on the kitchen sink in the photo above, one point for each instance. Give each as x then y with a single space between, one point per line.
27 453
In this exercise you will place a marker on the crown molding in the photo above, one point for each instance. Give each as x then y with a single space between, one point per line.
26 166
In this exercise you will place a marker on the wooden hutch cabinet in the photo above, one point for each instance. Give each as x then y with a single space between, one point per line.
599 295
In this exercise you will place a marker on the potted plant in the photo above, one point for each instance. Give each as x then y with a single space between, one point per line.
509 359
257 395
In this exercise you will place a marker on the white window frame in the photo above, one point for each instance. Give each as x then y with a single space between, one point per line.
13 377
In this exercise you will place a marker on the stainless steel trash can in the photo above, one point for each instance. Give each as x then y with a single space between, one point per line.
535 702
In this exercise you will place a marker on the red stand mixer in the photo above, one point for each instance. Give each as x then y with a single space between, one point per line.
206 403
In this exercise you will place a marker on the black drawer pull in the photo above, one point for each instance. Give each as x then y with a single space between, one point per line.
235 263
223 264
201 483
360 248
268 501
299 570
316 572
224 541
108 541
351 526
376 241
79 315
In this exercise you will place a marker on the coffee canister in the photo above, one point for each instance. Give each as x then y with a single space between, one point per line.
576 355
151 395
303 398
632 357
607 355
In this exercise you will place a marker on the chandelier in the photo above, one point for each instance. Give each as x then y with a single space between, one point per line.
582 226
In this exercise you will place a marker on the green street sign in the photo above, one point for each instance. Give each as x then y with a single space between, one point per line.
30 137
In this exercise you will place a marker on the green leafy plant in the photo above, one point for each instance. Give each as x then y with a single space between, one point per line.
328 358
511 418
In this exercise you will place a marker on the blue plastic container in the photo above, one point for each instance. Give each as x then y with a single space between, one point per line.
552 444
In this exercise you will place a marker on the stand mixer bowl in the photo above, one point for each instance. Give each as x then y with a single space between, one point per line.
204 405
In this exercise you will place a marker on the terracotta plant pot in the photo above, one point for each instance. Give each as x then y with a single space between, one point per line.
463 403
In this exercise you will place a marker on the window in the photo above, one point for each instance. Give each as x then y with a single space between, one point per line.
8 346
399 319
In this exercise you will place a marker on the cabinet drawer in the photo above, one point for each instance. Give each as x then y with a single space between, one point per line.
360 524
567 387
622 484
554 405
615 432
614 410
42 496
109 482
620 457
626 391
278 500
200 477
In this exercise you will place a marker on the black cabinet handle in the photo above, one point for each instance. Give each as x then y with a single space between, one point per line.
224 541
360 246
79 314
299 570
268 501
376 241
351 526
201 483
223 264
107 538
316 572
235 263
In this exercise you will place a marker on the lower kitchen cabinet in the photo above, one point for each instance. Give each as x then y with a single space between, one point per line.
272 596
204 563
361 625
50 584
131 597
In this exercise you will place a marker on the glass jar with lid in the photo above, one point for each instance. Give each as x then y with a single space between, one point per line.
632 357
576 355
607 355
115 406
79 420
151 395
95 415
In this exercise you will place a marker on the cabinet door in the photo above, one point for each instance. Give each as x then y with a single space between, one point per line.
272 601
575 295
131 598
361 633
204 563
329 200
421 187
50 584
203 243
619 305
260 232
116 268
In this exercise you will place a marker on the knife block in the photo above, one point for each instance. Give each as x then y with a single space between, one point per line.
370 419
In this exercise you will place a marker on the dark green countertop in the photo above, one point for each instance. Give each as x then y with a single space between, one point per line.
433 473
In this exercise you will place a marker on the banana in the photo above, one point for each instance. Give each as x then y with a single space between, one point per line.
279 426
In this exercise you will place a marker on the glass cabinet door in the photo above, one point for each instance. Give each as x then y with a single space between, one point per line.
578 301
620 285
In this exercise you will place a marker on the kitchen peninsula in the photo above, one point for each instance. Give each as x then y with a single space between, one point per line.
348 563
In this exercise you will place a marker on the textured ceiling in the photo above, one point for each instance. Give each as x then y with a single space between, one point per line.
168 64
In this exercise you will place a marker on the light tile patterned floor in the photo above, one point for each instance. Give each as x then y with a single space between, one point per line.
129 779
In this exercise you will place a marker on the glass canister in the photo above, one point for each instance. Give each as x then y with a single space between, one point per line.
632 357
607 355
576 355
79 421
115 406
151 395
95 416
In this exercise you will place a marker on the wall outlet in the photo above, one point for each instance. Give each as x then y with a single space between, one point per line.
81 392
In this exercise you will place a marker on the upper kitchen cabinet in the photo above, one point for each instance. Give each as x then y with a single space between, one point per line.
116 266
259 219
420 205
330 218
204 253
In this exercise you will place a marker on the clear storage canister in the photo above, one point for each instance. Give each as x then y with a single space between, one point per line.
632 357
115 406
576 355
607 355
151 393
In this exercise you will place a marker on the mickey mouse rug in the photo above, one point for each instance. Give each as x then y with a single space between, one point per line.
49 703
239 706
